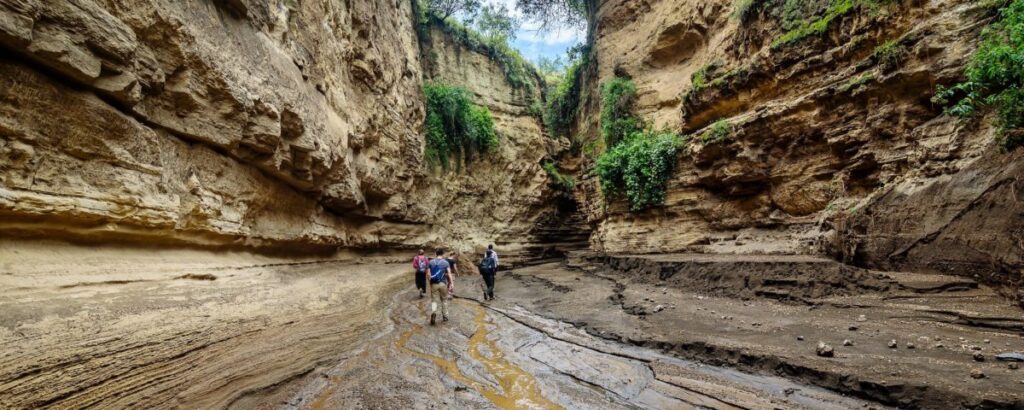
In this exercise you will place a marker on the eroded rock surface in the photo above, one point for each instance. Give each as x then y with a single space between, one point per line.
827 148
250 123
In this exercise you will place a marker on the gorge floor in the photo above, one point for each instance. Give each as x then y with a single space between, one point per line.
192 329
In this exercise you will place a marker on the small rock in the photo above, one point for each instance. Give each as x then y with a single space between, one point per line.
862 318
923 339
852 328
973 347
987 341
893 344
939 345
978 357
799 338
461 388
1013 366
658 308
825 350
847 342
910 345
977 374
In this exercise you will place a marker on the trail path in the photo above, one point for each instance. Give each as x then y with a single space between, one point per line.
493 357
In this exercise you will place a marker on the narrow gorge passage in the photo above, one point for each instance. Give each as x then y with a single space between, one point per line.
698 204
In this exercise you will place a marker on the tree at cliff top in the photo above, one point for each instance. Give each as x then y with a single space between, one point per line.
995 77
490 36
455 127
448 8
497 24
555 13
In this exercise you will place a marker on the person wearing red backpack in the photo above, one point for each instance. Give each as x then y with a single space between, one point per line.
419 264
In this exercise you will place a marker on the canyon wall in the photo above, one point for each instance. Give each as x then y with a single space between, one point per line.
257 123
823 144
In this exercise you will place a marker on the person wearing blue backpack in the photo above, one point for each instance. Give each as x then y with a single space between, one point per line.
439 275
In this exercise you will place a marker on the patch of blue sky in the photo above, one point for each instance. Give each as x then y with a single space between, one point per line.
534 43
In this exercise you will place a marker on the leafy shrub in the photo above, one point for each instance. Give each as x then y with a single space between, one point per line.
455 126
638 168
800 27
559 181
618 97
720 131
700 78
889 55
995 77
563 98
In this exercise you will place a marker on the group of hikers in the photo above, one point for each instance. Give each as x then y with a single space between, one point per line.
435 277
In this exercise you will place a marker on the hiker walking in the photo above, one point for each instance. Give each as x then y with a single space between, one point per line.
453 263
419 263
439 276
488 267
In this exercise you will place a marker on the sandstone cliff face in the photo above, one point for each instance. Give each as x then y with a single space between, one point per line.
828 148
238 122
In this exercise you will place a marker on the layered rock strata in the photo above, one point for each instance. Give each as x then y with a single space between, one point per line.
249 123
824 144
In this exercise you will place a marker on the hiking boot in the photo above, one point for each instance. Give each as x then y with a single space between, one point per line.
433 318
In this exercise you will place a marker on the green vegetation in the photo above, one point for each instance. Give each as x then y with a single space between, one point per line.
856 82
699 78
890 54
618 96
551 13
995 77
795 18
745 10
638 168
563 98
447 8
720 131
455 126
706 77
559 181
497 28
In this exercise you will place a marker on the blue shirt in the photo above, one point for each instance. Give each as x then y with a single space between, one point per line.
438 269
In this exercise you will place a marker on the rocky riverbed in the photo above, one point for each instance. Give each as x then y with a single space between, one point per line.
129 328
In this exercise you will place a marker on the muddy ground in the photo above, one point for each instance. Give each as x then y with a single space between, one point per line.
146 328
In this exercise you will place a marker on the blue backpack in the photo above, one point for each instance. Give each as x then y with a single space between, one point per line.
438 268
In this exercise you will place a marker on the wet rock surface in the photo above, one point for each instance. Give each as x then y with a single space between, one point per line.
504 356
762 334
